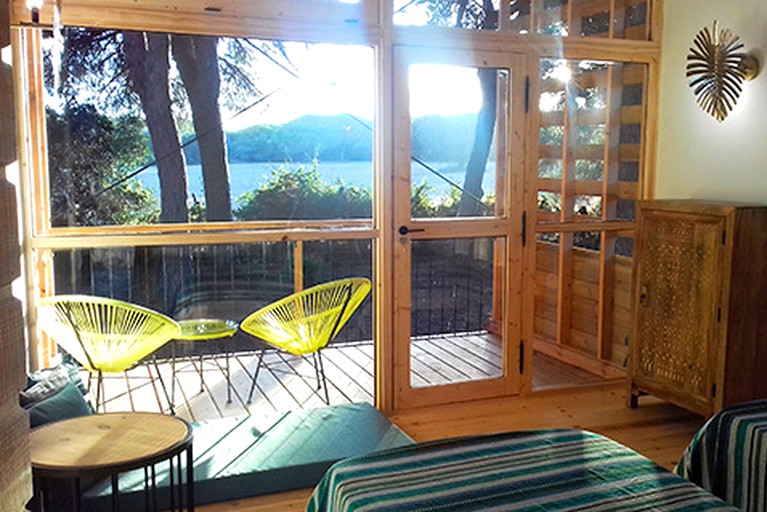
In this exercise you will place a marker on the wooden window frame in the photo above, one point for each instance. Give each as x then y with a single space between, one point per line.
369 23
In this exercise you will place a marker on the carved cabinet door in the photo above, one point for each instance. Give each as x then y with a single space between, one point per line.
680 257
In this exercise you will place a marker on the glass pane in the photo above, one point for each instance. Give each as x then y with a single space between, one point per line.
453 174
549 202
226 281
471 14
589 206
618 19
589 170
552 17
454 311
546 285
580 275
631 19
581 18
550 168
590 18
519 17
590 135
141 131
583 281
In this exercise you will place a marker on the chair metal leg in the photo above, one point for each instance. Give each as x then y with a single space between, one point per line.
324 380
100 391
162 384
316 370
202 378
255 375
228 377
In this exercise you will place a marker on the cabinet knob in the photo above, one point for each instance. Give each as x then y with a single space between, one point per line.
643 295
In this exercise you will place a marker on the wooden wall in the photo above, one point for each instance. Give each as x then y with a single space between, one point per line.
585 303
15 478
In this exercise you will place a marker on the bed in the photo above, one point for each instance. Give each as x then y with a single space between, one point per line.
728 456
539 470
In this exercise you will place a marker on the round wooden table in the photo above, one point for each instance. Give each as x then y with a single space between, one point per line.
101 445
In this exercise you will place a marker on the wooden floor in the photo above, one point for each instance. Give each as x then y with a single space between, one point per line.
563 397
655 429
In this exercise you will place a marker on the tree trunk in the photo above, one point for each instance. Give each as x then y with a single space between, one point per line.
197 62
483 133
147 60
483 138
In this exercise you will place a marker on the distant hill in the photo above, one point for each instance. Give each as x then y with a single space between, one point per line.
341 138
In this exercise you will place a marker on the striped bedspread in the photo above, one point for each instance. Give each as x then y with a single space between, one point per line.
534 470
728 456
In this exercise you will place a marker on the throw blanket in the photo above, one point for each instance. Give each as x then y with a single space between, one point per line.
728 456
535 470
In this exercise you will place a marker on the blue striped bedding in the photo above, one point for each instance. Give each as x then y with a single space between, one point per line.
728 456
533 470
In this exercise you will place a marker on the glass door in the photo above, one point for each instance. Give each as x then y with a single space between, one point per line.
458 136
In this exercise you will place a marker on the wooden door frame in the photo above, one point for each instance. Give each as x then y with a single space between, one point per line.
509 226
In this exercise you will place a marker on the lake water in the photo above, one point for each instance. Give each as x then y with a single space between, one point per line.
246 177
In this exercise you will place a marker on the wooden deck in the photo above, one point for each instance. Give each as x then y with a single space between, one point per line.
288 382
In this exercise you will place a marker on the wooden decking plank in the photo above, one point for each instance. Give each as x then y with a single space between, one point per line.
470 351
288 383
452 368
339 366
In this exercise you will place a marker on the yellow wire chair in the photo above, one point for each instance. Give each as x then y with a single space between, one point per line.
305 322
104 335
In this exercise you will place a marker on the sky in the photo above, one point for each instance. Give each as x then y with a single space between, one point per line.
336 79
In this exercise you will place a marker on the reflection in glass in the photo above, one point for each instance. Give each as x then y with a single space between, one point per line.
471 14
452 311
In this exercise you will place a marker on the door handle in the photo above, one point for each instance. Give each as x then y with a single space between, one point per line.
404 230
643 295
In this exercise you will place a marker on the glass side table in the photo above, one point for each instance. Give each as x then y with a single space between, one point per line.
203 330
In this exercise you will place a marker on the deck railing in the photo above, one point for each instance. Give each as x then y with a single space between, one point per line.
450 295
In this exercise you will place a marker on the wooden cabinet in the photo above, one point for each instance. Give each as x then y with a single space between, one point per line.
699 336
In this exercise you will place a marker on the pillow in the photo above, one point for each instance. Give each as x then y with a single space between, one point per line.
45 383
67 403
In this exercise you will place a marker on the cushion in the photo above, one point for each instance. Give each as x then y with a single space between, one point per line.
44 384
67 403
237 458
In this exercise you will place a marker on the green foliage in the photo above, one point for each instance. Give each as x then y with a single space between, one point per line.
337 138
197 212
341 138
87 153
301 195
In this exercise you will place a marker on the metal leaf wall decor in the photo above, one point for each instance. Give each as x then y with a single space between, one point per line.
716 69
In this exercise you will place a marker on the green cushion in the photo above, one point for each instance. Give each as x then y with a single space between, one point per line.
67 403
240 457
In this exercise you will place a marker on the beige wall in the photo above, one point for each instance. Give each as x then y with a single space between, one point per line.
699 157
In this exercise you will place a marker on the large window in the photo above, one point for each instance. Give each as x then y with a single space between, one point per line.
155 127
184 170
590 140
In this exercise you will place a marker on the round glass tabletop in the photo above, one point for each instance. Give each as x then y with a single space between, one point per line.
206 329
